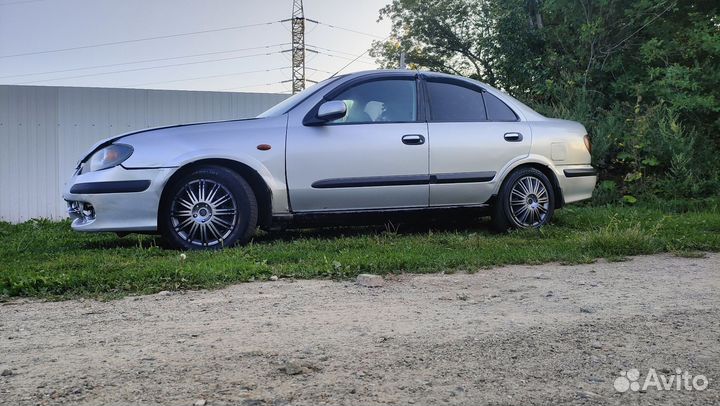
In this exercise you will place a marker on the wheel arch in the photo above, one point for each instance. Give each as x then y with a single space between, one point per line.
546 170
260 188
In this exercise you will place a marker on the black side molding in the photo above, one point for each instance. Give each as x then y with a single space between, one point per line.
575 173
122 186
462 177
403 180
398 180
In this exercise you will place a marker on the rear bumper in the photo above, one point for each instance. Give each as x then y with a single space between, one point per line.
579 172
116 199
577 182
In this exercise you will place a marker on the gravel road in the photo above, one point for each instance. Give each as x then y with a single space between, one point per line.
547 334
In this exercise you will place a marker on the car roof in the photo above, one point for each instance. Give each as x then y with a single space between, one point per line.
527 113
398 71
401 72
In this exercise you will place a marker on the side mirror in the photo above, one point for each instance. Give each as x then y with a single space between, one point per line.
332 110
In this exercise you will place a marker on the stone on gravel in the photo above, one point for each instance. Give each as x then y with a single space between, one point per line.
258 402
589 395
292 368
200 402
370 281
274 278
6 372
586 310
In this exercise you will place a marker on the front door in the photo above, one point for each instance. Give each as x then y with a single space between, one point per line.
375 157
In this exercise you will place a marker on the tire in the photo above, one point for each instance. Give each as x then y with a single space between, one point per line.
526 200
210 207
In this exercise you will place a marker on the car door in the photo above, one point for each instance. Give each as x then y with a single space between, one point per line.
473 136
375 157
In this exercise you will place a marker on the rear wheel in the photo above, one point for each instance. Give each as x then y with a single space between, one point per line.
210 207
526 200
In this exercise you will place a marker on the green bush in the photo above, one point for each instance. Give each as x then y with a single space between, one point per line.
643 151
642 75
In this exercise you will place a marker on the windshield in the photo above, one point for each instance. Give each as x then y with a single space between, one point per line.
292 101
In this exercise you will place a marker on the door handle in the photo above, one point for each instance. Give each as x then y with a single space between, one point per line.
513 137
413 139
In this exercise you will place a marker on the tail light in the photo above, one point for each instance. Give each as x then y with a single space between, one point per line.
588 144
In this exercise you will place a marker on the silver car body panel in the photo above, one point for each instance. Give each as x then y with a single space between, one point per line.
354 154
231 140
467 148
136 211
338 167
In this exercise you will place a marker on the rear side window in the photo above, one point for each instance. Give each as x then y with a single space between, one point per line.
497 110
449 102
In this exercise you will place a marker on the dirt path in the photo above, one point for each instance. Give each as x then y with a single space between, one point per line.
547 334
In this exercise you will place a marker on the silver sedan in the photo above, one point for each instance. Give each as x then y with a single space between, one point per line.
369 143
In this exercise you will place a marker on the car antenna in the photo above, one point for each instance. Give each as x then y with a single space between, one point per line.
356 58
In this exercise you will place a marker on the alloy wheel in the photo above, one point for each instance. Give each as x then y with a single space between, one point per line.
204 213
529 202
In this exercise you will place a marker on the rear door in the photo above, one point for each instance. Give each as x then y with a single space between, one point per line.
473 135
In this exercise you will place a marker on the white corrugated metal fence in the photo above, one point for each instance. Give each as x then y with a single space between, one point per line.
44 130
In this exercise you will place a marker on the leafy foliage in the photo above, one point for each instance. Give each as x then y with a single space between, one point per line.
642 75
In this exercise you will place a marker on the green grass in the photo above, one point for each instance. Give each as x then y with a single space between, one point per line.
46 259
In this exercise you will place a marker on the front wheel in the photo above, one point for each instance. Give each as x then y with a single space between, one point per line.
210 207
526 200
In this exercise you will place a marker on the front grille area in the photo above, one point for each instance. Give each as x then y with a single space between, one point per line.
82 212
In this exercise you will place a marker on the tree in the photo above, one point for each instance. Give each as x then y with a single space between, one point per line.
458 36
622 67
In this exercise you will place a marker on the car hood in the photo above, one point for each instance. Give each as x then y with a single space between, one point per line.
107 141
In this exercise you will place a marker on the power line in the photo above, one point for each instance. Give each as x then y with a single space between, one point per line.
143 61
150 67
335 52
212 76
255 85
639 29
346 29
318 70
237 27
356 58
345 58
330 50
298 21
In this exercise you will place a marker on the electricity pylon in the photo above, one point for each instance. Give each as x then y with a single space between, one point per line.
298 47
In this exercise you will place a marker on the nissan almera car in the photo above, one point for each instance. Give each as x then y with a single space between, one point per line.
364 143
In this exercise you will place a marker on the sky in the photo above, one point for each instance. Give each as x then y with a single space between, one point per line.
235 45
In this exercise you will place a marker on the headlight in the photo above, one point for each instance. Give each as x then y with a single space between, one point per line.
108 157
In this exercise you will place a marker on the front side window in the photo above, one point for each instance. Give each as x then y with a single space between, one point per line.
380 101
454 103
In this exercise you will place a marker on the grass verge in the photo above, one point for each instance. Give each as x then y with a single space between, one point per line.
46 259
